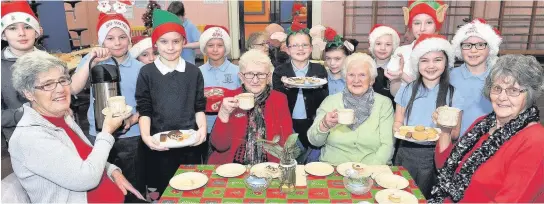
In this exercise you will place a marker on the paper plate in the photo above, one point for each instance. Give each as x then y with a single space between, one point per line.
391 181
230 170
169 143
106 111
266 169
319 169
188 181
405 197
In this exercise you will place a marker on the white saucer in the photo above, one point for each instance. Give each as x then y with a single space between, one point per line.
106 111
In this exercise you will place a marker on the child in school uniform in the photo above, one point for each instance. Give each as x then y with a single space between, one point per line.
170 96
431 59
20 34
142 49
114 40
303 103
218 72
477 44
336 50
383 40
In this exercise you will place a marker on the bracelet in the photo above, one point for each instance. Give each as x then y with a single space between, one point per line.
325 124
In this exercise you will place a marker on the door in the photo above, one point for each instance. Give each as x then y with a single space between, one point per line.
256 15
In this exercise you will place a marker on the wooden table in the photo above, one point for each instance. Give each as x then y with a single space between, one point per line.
328 189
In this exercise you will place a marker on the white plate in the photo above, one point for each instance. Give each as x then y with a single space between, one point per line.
230 170
405 197
319 169
391 181
399 136
188 181
368 170
106 111
341 169
260 170
306 85
175 144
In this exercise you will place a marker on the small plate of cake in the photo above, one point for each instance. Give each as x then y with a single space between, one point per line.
418 133
394 196
176 138
305 82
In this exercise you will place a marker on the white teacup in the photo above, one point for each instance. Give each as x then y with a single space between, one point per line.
448 116
246 101
346 116
117 105
393 64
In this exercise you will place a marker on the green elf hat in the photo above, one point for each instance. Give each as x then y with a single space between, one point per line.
434 8
165 22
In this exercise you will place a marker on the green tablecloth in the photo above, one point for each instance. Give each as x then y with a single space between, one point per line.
328 189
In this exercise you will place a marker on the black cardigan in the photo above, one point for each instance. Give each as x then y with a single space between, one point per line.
312 97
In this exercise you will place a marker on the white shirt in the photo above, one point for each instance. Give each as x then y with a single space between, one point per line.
165 69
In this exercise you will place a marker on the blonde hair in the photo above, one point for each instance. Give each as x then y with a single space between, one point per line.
360 57
255 57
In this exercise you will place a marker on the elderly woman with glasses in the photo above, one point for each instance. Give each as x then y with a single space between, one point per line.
259 41
236 131
51 156
501 156
369 138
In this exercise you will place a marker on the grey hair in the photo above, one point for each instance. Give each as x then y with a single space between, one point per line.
27 68
356 57
252 38
525 70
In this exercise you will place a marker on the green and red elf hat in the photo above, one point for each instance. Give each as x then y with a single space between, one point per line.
434 8
165 22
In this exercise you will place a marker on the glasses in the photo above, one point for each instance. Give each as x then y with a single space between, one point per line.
478 46
261 44
250 75
509 91
304 46
53 85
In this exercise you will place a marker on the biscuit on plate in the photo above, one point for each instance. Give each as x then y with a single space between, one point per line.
419 136
420 128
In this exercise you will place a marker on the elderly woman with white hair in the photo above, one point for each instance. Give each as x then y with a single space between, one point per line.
51 156
500 158
369 139
236 131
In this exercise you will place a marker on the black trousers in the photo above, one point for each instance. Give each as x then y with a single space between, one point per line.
301 127
127 154
162 165
419 161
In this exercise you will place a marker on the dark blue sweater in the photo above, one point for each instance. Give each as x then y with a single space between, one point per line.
170 100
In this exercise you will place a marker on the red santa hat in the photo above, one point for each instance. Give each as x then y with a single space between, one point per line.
434 8
106 22
215 32
380 30
428 43
139 45
18 12
478 28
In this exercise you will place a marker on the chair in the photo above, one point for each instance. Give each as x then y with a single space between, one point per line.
13 191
